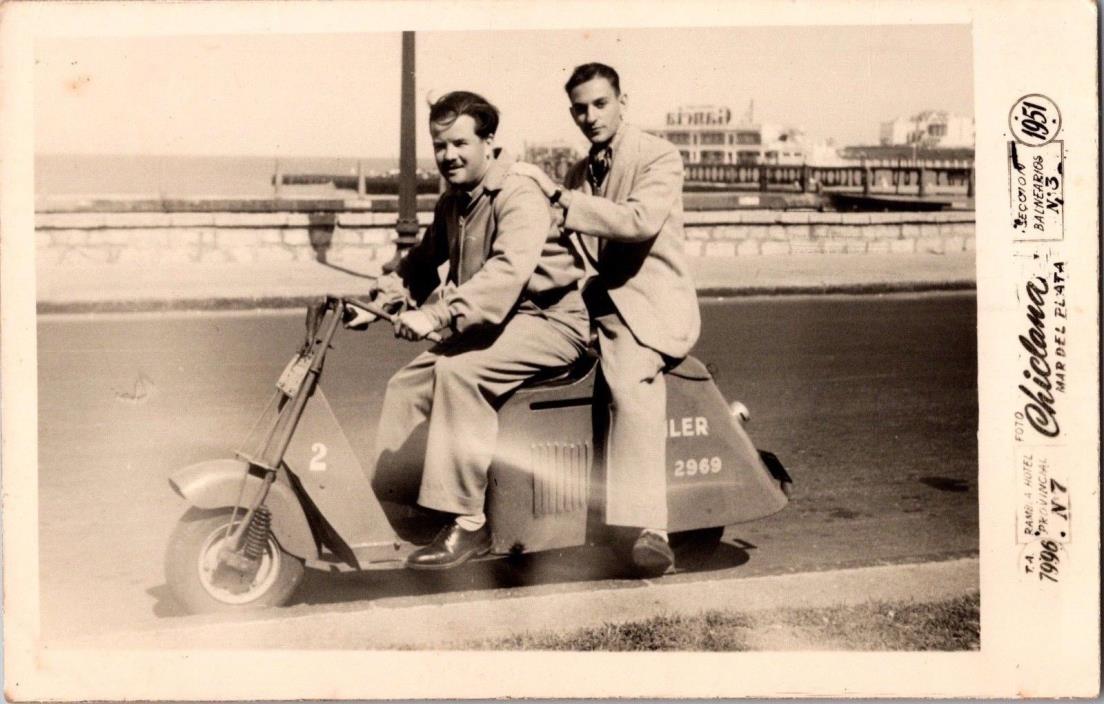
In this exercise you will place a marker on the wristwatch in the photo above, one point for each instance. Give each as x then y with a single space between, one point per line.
556 195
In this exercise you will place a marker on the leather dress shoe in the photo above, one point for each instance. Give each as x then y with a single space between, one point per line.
452 547
651 552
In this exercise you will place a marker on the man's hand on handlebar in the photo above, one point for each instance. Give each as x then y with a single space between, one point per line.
394 302
414 325
356 318
390 294
409 325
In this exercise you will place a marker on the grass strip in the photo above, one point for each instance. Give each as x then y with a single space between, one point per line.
948 625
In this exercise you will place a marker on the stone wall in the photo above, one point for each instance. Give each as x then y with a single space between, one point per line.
764 232
356 239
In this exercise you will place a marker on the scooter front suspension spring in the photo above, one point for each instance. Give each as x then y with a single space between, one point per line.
256 538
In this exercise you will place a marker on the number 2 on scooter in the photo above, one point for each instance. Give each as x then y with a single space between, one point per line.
692 467
317 463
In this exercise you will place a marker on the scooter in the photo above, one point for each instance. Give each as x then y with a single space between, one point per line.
296 495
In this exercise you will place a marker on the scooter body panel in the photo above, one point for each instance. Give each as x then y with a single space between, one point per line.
218 484
329 473
539 482
715 476
547 479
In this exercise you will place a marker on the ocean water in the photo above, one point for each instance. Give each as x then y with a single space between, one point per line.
180 176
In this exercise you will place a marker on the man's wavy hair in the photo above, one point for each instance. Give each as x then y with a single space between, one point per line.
451 106
588 72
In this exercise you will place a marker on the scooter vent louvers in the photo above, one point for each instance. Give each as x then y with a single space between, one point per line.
559 477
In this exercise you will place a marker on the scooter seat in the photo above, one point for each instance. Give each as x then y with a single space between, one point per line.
563 376
691 368
688 367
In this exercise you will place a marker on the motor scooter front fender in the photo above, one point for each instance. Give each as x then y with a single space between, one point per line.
218 483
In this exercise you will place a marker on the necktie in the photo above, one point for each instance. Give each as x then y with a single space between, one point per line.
601 156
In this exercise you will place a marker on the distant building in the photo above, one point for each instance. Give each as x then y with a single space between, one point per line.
929 129
554 157
707 134
930 138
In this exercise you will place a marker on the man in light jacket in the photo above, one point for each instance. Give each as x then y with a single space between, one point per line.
512 299
625 202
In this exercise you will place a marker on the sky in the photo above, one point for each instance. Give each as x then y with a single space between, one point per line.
338 94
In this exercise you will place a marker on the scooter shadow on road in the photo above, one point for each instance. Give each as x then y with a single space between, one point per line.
572 569
581 568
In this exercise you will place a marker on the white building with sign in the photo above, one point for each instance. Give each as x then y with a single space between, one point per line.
707 134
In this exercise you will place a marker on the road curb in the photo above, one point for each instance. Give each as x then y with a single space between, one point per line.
489 614
845 289
232 303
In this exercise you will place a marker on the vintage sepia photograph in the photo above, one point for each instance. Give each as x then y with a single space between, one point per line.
493 340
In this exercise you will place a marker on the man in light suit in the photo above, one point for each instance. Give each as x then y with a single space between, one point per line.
625 202
511 298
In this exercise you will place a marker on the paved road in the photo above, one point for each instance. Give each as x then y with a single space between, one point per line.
870 401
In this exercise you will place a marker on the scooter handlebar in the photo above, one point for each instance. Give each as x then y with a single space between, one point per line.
380 312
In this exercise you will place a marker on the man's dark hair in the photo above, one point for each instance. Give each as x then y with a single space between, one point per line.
588 72
452 105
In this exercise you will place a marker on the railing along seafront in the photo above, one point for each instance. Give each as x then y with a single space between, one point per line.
881 179
921 180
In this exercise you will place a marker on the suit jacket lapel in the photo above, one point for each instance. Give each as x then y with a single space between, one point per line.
623 156
618 184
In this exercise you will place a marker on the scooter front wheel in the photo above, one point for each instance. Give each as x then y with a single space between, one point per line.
197 580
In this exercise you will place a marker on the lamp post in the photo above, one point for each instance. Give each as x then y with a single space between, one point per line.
407 224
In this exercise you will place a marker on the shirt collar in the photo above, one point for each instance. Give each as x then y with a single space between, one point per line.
493 178
614 142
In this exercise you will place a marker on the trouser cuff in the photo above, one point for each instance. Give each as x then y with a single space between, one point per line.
449 503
